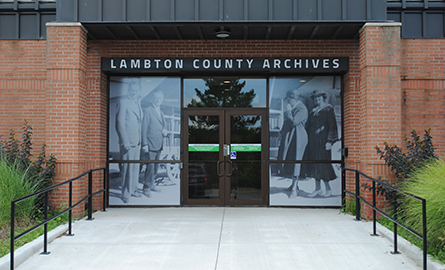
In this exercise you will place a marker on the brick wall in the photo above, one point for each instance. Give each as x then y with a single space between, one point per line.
22 88
380 98
423 86
58 86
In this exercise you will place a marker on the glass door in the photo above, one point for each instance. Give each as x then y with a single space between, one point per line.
224 158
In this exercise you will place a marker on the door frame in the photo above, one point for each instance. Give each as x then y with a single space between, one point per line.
224 133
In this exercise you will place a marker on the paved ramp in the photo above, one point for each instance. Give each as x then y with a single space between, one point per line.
221 239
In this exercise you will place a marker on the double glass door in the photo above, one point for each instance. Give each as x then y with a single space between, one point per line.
225 162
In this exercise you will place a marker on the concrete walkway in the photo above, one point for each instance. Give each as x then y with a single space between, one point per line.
221 239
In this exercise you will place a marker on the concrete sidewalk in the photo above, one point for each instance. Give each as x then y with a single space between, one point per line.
220 238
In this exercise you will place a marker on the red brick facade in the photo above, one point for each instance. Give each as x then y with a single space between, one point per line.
393 85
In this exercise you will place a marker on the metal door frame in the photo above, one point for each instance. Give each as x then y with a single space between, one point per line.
224 133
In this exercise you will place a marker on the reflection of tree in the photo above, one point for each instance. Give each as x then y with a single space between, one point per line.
203 129
246 129
220 94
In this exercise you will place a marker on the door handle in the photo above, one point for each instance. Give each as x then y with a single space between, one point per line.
226 150
231 168
217 167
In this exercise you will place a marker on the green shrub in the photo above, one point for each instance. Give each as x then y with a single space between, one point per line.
428 182
17 157
14 183
419 151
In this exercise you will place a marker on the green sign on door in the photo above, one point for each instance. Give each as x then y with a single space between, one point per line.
238 147
203 147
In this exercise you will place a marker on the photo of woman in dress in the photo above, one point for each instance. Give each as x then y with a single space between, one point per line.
293 138
322 133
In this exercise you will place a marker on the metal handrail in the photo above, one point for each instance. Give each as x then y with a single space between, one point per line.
394 220
69 209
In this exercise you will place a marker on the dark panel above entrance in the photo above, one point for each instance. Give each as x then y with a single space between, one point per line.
233 19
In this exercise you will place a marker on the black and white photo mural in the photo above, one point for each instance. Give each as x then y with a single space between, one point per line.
144 141
305 141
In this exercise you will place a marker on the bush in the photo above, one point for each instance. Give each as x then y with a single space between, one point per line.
419 151
428 182
17 157
14 183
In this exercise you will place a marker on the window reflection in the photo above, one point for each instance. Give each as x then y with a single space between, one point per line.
224 92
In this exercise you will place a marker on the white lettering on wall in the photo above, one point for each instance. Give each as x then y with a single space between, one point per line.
147 63
229 63
297 63
206 63
135 63
325 63
157 62
199 63
239 61
196 63
217 63
123 64
315 63
276 63
286 63
249 63
168 64
179 63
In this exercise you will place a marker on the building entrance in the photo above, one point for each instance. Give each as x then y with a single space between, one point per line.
225 160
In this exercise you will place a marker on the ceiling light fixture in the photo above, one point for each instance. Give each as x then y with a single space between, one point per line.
222 33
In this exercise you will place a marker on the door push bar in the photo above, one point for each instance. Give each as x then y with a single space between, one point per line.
226 152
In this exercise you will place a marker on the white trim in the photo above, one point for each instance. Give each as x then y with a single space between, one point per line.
380 24
69 24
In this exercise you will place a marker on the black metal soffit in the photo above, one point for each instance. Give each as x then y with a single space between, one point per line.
207 31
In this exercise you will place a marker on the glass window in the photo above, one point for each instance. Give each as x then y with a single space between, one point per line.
305 118
224 92
144 129
305 141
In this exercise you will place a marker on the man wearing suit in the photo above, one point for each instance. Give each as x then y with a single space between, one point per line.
128 127
153 133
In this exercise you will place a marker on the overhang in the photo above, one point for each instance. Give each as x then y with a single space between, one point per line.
239 19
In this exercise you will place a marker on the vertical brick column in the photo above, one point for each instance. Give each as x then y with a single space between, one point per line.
380 96
66 107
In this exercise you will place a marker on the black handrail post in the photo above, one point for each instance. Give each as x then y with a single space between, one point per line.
104 192
424 236
45 223
357 199
45 227
12 234
90 195
395 228
374 221
70 205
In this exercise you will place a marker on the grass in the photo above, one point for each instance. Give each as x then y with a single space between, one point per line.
349 207
427 182
22 225
16 183
436 253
